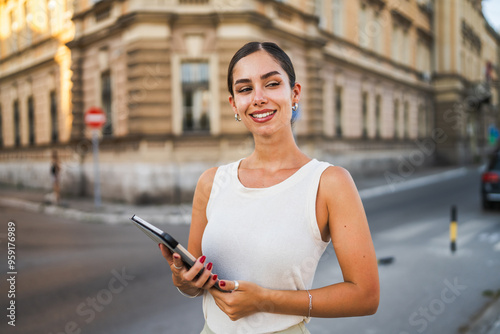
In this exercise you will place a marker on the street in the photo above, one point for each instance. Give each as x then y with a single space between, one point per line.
75 277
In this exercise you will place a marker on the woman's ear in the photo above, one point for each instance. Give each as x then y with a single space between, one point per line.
296 90
232 103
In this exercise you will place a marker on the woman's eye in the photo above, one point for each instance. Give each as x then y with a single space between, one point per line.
273 84
244 89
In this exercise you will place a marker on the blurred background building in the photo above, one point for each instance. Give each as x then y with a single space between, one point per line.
387 85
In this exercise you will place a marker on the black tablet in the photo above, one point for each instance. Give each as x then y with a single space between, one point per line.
159 236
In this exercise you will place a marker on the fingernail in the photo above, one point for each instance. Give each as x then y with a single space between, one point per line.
202 259
214 277
222 283
209 266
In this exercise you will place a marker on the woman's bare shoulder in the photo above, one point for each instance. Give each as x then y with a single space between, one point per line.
208 175
337 176
206 181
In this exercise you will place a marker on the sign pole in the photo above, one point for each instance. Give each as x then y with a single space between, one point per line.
97 182
95 118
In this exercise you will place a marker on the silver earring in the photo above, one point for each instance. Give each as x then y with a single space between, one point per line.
237 118
295 106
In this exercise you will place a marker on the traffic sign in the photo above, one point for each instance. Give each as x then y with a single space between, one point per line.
95 118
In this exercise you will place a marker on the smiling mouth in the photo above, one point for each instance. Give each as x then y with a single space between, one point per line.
263 115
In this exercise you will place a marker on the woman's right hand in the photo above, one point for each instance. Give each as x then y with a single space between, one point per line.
185 279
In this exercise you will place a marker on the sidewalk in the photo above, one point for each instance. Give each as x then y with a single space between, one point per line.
84 209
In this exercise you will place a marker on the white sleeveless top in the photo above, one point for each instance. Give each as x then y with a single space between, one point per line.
268 236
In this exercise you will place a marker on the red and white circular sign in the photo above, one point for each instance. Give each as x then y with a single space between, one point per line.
95 117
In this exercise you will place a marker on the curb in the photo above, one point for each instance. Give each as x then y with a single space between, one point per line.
488 322
95 217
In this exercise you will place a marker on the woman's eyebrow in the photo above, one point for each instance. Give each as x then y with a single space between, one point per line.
270 74
262 77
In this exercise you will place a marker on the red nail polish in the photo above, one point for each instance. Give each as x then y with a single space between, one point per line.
214 277
202 259
209 266
222 283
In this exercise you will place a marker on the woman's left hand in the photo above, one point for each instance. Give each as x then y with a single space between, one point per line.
248 299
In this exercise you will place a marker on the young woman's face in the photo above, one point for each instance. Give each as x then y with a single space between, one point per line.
262 94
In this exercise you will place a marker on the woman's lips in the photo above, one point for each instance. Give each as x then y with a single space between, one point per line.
263 116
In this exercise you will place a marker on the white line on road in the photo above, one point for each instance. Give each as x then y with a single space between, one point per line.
497 247
407 231
412 183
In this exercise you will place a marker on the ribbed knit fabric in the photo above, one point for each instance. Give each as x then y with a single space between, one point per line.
268 236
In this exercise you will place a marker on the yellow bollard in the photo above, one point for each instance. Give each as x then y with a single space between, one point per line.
453 229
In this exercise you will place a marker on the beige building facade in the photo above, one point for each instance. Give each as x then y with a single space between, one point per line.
378 80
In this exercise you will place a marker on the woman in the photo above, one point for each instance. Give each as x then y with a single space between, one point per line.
262 223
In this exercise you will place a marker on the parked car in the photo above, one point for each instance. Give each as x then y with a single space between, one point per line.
490 182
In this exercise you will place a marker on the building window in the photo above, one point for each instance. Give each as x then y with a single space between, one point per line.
1 127
337 17
195 97
107 103
364 112
53 118
338 111
396 47
406 120
396 119
406 47
377 31
320 13
28 17
422 121
17 124
31 121
51 17
102 14
14 27
363 37
377 117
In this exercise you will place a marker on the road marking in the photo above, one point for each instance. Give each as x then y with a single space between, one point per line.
469 233
408 231
496 248
411 183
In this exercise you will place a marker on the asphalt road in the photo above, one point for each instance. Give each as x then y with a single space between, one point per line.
95 278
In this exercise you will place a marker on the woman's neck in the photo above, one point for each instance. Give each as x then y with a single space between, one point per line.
276 152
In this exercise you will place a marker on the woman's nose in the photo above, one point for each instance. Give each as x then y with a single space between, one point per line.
259 97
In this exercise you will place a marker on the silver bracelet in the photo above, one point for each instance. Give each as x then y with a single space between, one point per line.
310 304
189 296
